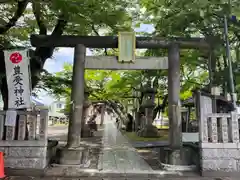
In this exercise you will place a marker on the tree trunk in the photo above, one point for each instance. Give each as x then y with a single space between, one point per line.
122 115
102 114
4 92
85 129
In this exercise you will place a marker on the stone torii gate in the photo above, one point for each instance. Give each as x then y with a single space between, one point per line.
80 43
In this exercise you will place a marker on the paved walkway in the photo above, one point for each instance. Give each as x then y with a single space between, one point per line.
118 155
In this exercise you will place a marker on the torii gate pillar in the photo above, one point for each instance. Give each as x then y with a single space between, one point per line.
174 114
76 115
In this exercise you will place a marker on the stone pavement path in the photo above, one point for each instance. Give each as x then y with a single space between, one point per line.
118 155
114 178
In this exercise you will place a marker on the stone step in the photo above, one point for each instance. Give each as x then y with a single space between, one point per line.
72 173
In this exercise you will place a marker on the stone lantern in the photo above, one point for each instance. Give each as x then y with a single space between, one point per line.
148 130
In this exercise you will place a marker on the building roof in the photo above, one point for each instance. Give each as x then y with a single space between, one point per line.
37 102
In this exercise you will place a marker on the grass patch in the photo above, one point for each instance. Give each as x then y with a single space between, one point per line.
163 136
162 127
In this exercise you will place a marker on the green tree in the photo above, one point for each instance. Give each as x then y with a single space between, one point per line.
173 18
55 17
198 18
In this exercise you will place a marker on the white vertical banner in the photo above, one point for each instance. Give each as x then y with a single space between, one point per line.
18 79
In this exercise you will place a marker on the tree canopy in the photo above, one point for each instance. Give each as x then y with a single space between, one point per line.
199 18
199 68
22 18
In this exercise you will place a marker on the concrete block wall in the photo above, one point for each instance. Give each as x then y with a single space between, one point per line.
220 159
219 145
27 154
25 157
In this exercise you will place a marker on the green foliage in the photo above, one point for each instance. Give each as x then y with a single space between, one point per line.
198 18
20 19
170 18
177 18
67 108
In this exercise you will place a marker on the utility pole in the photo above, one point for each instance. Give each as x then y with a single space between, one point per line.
228 55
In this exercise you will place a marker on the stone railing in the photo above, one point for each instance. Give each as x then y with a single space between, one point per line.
26 144
219 144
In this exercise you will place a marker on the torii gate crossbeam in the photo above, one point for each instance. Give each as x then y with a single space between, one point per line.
112 42
111 63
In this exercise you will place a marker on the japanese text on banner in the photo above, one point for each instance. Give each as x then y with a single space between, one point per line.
18 79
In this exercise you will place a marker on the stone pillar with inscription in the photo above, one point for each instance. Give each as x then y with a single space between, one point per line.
72 153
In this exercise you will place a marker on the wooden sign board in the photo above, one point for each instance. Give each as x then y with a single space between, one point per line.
126 47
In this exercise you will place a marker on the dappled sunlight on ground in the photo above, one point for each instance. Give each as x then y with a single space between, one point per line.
143 150
115 152
132 136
